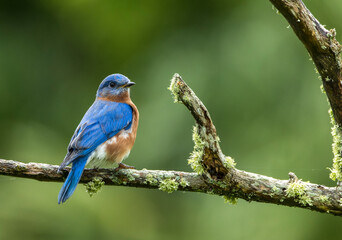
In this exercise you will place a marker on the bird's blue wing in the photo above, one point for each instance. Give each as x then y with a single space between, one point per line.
103 120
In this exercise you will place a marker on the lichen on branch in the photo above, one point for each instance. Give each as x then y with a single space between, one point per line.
336 132
207 157
197 154
168 185
324 50
94 186
298 190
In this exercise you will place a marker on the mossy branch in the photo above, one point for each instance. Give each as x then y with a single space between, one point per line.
322 46
216 173
325 51
207 156
223 180
153 179
250 186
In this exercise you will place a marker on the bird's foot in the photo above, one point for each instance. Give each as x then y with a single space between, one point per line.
123 166
60 170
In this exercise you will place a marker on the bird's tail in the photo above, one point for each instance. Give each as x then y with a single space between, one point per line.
72 180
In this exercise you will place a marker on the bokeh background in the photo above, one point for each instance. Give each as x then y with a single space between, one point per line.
241 59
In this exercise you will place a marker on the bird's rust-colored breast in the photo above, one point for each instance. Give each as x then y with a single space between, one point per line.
122 143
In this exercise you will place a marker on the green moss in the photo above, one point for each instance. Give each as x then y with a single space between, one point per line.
186 99
116 180
183 183
336 132
174 88
340 202
168 185
94 186
297 190
130 177
151 180
230 199
229 162
322 89
19 168
197 154
221 184
332 33
275 191
211 192
305 200
324 199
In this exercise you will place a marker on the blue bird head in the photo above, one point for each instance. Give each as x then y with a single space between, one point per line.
114 85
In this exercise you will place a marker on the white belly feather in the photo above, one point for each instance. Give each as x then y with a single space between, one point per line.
99 157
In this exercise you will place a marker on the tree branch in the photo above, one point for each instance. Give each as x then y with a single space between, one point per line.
207 151
125 177
325 51
215 172
322 46
223 180
250 186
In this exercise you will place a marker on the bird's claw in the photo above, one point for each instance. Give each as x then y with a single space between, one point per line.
123 166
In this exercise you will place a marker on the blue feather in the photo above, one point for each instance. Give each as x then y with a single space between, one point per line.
72 180
102 121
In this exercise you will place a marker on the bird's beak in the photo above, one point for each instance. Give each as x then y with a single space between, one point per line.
129 84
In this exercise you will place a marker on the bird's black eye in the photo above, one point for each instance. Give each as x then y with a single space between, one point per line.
112 84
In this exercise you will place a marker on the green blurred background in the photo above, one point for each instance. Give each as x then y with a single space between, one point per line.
240 58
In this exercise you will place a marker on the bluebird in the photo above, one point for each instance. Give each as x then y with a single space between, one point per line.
106 133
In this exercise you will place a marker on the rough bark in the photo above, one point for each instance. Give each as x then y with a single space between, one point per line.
248 186
325 51
322 46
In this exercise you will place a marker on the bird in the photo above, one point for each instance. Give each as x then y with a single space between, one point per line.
105 135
